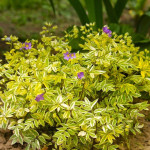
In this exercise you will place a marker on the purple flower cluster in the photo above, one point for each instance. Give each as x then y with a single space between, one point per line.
80 75
107 31
39 97
68 56
27 45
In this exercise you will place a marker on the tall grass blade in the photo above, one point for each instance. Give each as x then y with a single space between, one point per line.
95 14
119 7
76 4
143 24
53 7
110 11
99 13
91 10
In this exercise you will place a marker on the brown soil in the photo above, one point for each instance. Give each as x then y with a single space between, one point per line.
5 142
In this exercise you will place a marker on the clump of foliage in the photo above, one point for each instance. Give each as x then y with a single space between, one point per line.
84 100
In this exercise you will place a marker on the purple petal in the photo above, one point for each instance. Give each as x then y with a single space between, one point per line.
39 97
80 75
73 55
27 46
66 56
109 35
107 31
66 53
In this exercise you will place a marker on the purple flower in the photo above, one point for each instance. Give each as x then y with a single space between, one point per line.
68 56
73 55
27 45
107 31
39 97
80 75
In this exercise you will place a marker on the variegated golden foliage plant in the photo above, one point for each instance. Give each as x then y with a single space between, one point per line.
73 100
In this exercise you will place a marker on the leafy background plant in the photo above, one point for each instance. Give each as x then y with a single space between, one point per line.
93 11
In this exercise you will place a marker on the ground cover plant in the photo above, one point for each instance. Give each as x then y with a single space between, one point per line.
54 97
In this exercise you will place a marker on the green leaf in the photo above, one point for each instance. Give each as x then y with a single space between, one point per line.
37 143
71 132
92 122
103 139
133 131
75 140
59 141
93 135
67 134
16 131
65 105
14 140
66 114
143 24
34 132
53 7
110 138
36 123
90 8
34 146
45 136
113 147
119 7
27 139
42 122
110 11
27 147
42 139
94 103
83 140
8 75
20 140
94 8
99 13
98 72
76 4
